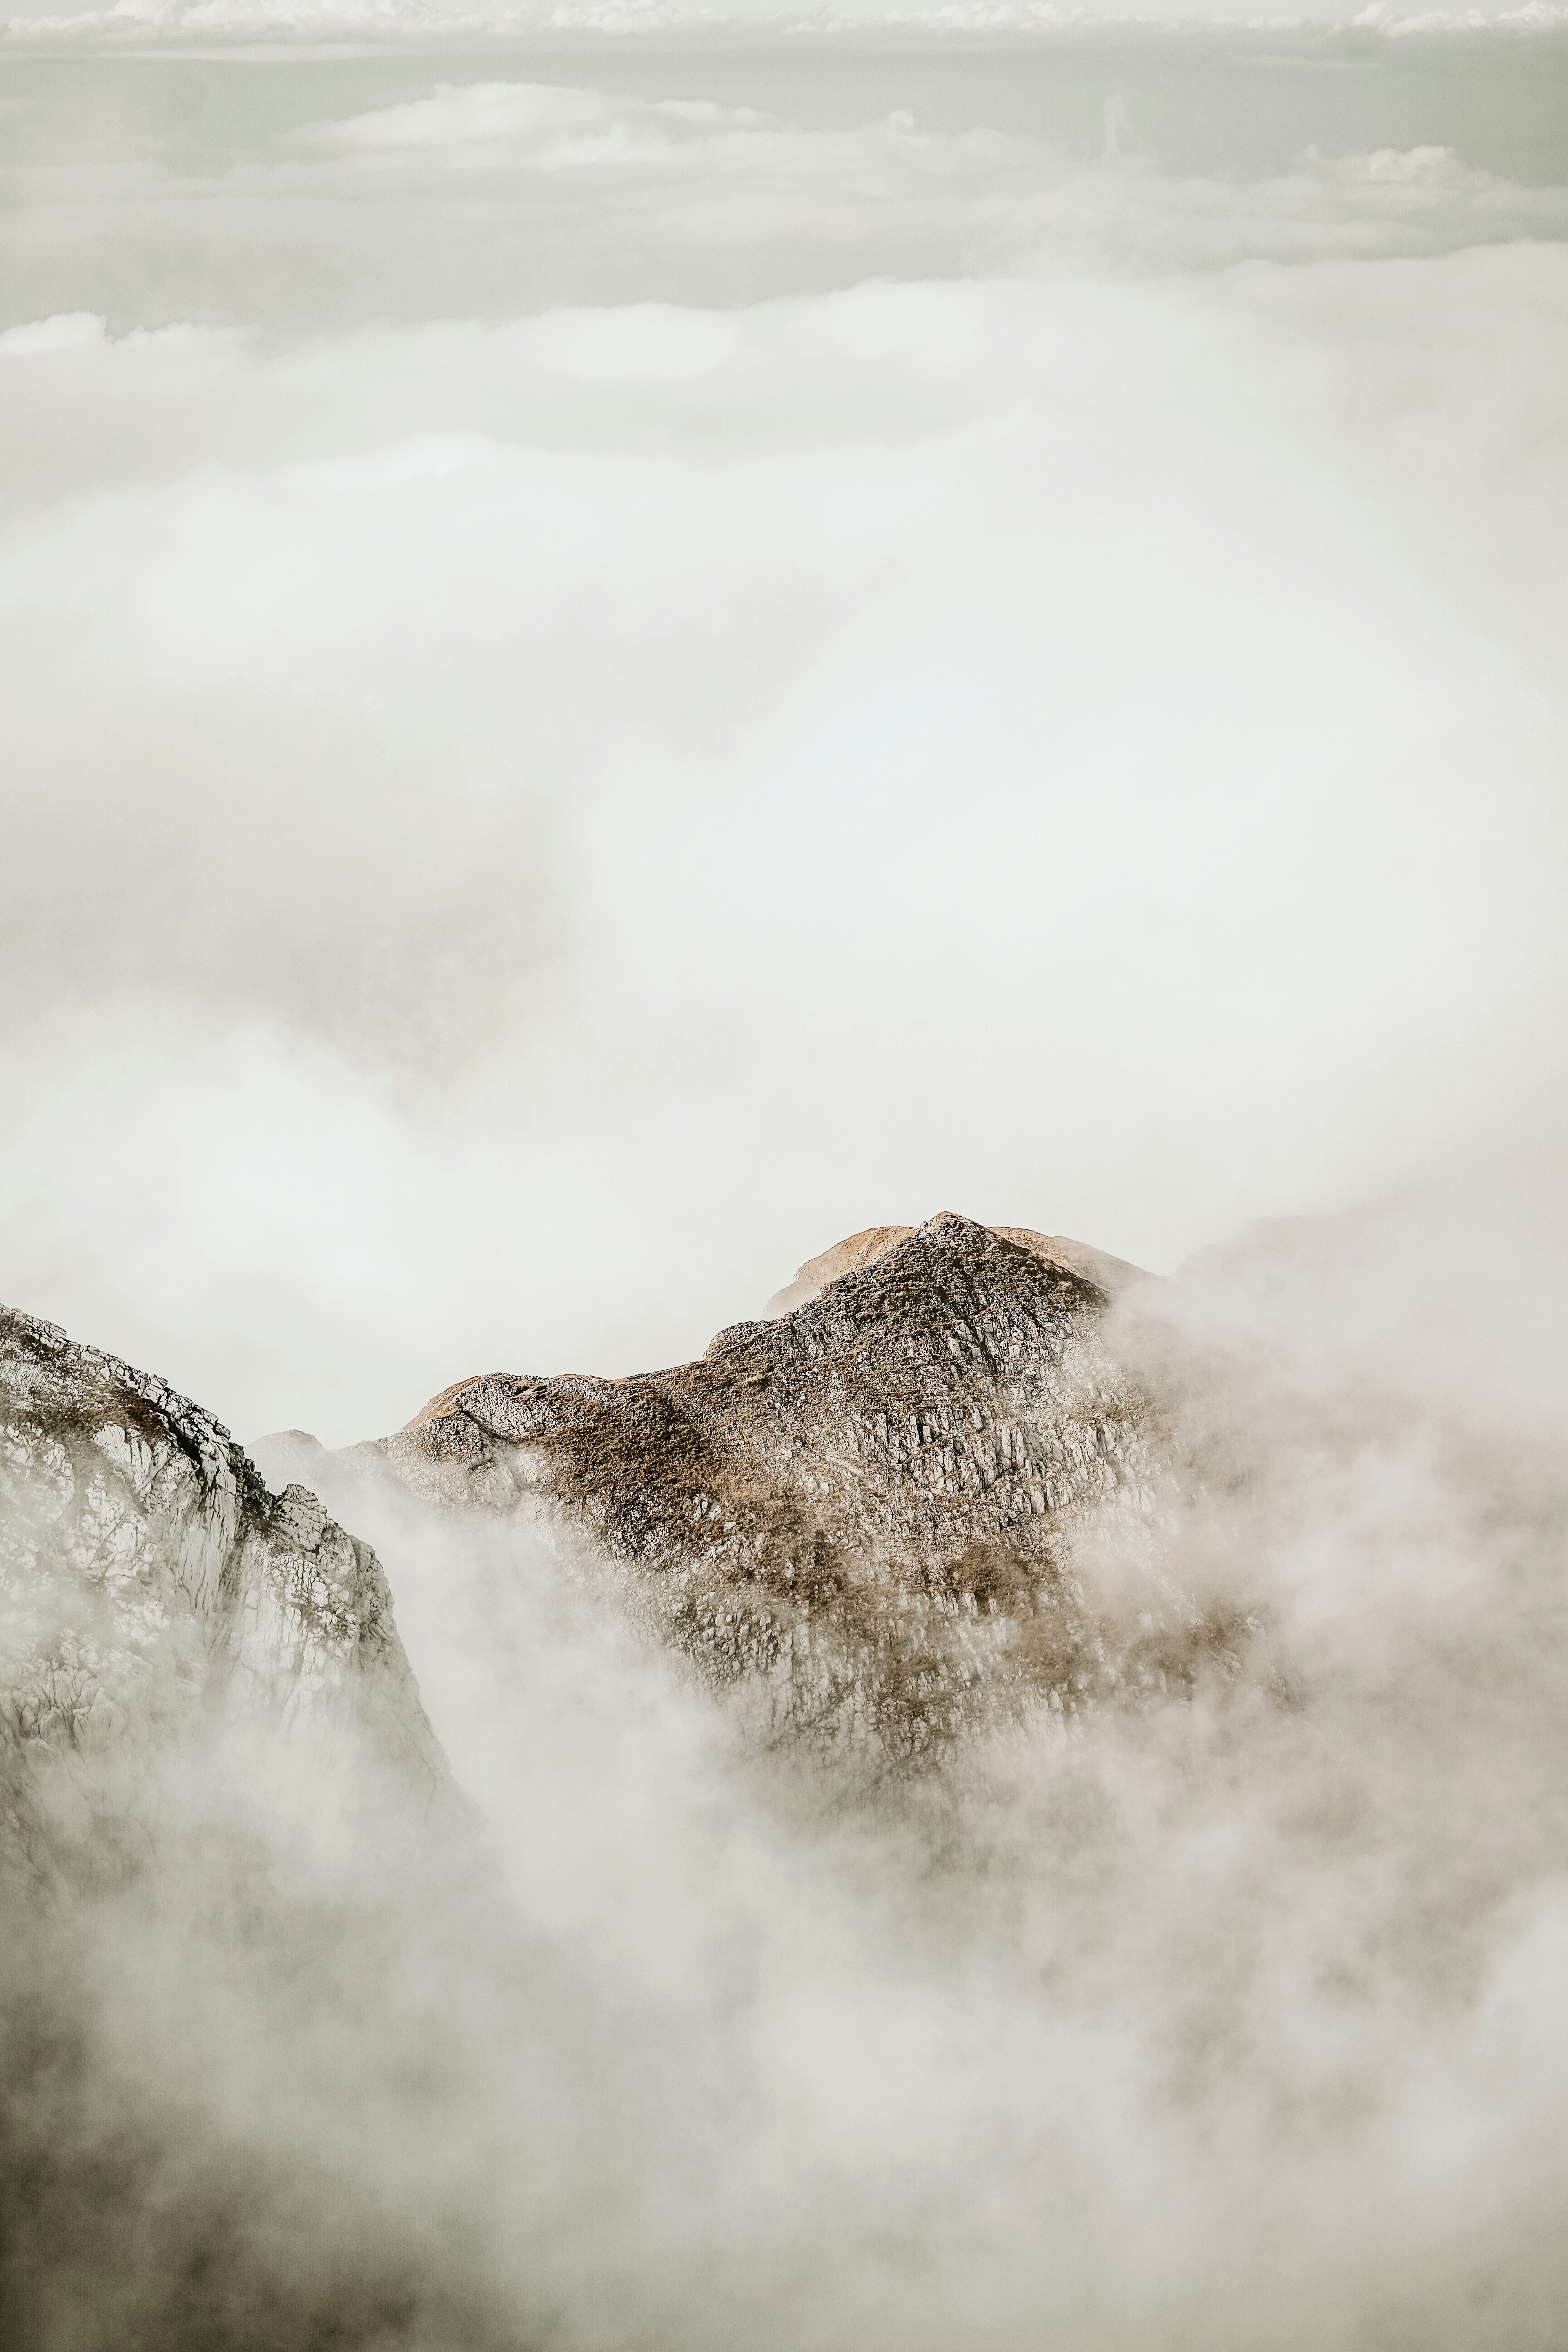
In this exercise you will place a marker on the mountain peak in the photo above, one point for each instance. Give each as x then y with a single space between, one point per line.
1112 1274
867 1502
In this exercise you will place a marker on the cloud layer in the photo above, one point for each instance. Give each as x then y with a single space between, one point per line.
534 818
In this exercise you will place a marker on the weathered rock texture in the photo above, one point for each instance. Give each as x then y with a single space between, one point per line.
873 1505
153 1589
1111 1274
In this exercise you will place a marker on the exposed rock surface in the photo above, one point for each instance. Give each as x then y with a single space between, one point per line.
1110 1273
875 1503
151 1586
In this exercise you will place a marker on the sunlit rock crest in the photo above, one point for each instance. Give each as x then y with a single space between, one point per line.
154 1590
873 1503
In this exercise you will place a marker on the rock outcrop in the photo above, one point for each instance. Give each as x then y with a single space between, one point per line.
874 1505
1111 1274
153 1589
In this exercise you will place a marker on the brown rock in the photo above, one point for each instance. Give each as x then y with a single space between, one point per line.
870 1504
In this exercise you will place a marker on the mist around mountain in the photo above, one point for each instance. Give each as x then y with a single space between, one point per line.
1139 1906
637 653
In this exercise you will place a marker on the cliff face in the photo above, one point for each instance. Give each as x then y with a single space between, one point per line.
153 1589
873 1505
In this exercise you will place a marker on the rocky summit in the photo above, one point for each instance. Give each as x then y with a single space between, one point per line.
876 1505
882 1510
154 1591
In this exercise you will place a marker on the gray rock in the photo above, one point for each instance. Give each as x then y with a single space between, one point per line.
153 1587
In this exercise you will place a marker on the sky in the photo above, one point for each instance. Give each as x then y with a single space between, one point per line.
625 656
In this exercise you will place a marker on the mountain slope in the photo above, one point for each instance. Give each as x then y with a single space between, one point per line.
875 1505
153 1590
1111 1275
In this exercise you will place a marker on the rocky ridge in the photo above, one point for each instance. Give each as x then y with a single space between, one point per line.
1111 1274
153 1587
874 1506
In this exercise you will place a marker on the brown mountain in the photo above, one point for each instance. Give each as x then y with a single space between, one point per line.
878 1505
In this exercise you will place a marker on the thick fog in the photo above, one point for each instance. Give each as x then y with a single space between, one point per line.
623 656
1234 2023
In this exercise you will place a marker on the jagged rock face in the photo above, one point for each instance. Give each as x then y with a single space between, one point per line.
870 1504
1111 1275
151 1587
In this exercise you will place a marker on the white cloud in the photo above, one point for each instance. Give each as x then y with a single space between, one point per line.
1001 694
1081 753
548 127
69 331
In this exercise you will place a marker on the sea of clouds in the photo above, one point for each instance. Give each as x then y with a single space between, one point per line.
618 662
606 683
